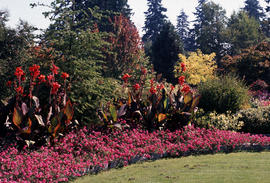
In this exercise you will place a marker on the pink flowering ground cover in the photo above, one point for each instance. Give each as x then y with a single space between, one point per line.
85 151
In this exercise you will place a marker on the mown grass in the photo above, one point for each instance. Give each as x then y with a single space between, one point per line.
235 167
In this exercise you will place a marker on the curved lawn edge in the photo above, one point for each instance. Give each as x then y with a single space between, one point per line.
220 167
154 157
85 151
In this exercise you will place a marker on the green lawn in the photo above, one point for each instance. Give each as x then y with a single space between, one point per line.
234 167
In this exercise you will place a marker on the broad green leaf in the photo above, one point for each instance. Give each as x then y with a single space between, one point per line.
68 111
129 99
165 103
113 112
188 98
56 128
122 110
161 117
53 124
17 117
28 129
105 117
195 102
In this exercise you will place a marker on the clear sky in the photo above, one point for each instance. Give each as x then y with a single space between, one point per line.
20 9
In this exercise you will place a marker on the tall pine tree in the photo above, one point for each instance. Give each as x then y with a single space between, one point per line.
197 26
266 21
154 20
209 28
182 28
165 50
268 6
253 9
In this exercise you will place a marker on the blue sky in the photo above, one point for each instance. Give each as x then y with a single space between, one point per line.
20 9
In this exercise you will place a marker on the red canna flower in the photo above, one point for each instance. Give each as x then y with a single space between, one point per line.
19 72
19 90
50 78
172 87
34 71
65 75
152 81
152 90
41 78
185 89
136 86
9 83
54 69
55 87
183 66
144 70
181 80
23 77
125 77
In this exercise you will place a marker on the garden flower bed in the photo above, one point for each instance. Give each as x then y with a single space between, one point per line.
85 151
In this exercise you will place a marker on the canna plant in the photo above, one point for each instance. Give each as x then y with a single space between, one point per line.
151 104
41 110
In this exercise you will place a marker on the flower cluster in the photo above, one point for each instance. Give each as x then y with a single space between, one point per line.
125 77
34 71
86 151
19 73
28 116
35 74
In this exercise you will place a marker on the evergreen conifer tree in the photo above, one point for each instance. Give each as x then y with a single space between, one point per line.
154 20
267 9
197 26
183 28
253 9
209 28
165 50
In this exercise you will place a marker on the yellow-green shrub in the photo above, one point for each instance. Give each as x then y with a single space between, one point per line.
224 121
200 67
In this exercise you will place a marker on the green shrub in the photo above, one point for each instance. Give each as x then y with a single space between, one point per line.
226 93
225 121
256 120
